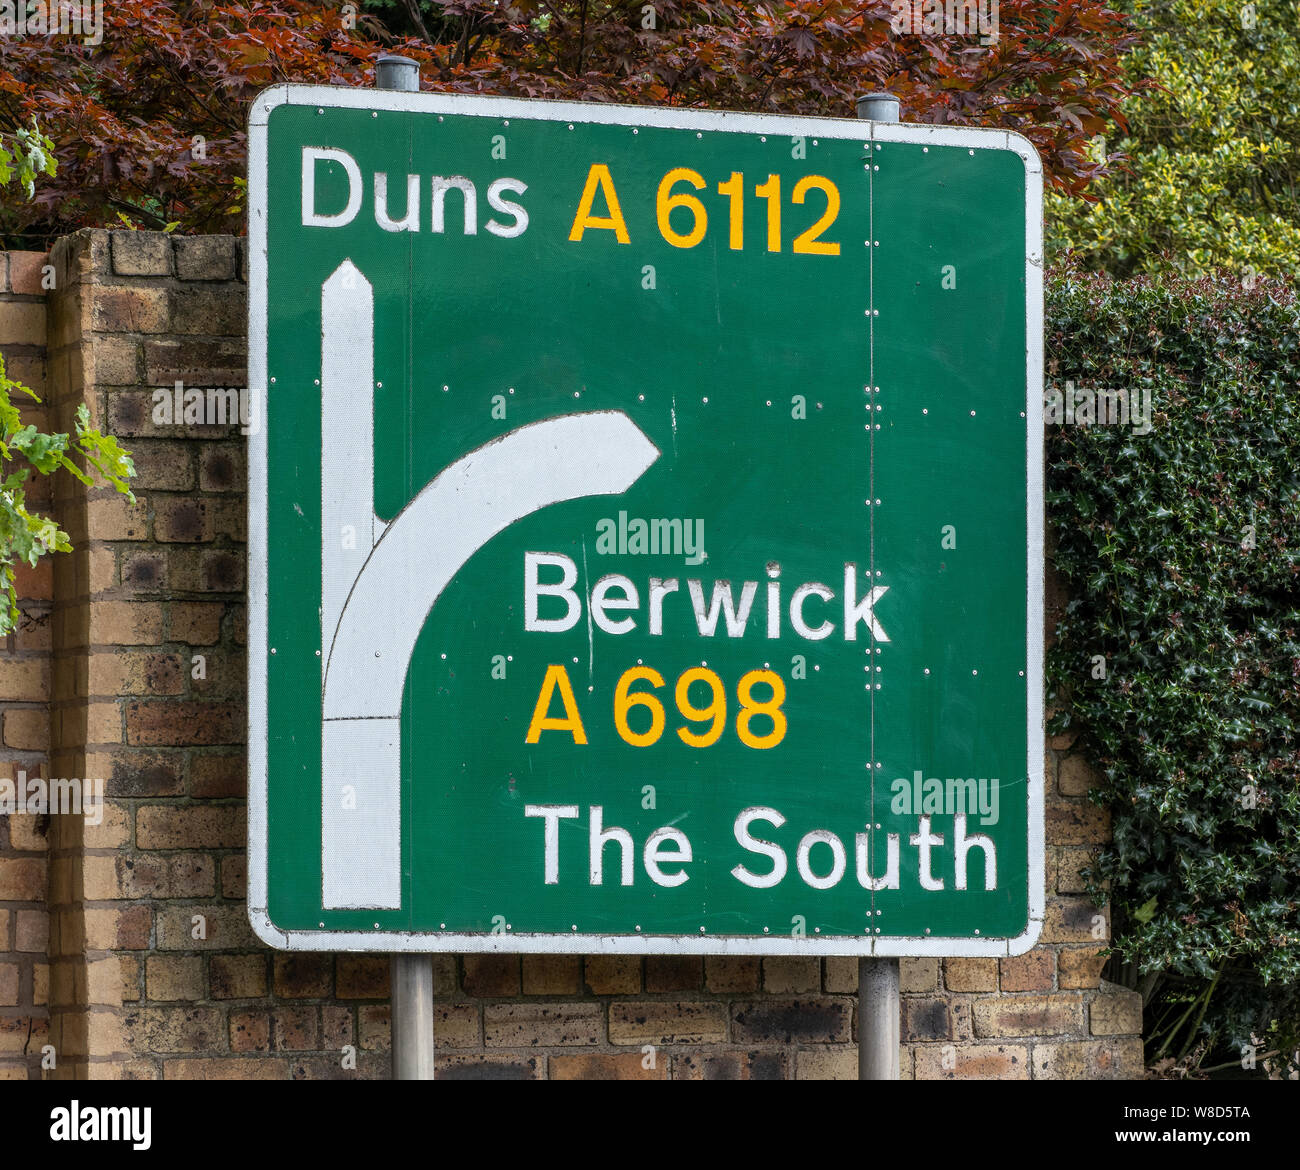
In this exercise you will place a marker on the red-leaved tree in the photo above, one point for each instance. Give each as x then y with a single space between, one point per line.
150 124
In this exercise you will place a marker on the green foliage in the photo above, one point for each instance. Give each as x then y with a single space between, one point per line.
26 536
1213 146
1178 550
32 155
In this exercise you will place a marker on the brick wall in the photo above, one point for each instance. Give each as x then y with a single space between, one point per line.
153 969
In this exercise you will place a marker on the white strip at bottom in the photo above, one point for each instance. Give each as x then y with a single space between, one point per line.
361 804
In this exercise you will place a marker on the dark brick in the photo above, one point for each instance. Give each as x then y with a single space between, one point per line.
303 976
792 1021
673 972
492 976
926 1019
730 1066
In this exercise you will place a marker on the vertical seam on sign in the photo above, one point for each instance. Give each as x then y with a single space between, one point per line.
871 513
405 746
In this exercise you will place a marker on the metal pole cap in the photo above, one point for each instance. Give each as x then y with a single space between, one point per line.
878 107
396 72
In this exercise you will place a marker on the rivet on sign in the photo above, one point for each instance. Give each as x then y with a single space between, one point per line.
817 929
875 243
441 118
877 930
1022 414
575 660
318 654
376 925
877 686
972 152
769 402
879 669
376 653
506 123
927 930
380 385
698 134
875 312
876 168
442 926
272 649
638 929
1022 674
373 114
972 414
877 426
877 572
877 824
924 410
320 111
511 390
445 389
272 381
879 407
577 394
877 145
816 667
701 930
444 657
572 927
814 142
322 925
974 672
508 926
317 381
635 131
877 649
571 127
705 401
762 138
879 765
640 397
879 912
927 670
765 928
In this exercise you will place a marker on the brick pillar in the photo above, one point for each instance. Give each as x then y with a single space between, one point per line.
149 670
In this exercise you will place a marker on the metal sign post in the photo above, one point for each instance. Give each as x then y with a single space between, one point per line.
879 1007
645 534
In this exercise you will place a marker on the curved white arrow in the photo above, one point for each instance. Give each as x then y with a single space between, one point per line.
397 582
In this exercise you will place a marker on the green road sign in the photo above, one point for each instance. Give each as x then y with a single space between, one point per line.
645 530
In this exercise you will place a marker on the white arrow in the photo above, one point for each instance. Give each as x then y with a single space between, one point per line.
384 594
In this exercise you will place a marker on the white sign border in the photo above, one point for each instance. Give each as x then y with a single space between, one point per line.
333 97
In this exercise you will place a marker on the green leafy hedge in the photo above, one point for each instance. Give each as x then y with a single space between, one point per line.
1178 550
